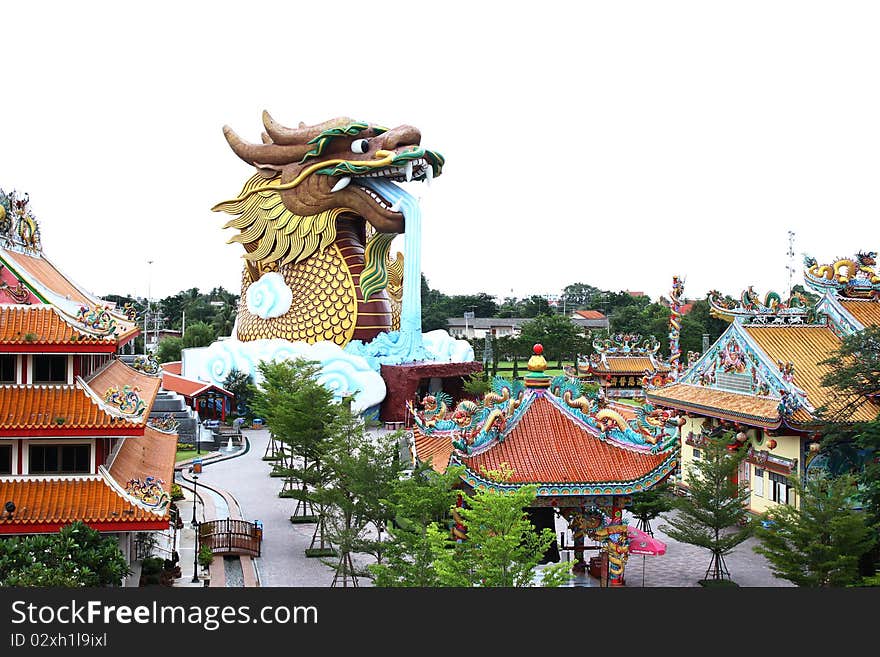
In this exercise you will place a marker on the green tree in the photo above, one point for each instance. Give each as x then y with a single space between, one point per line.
535 305
359 471
820 542
714 506
300 413
648 505
579 295
241 385
560 337
76 556
417 503
477 384
198 334
169 350
502 547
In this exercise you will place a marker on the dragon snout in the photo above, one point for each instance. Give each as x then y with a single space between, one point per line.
404 135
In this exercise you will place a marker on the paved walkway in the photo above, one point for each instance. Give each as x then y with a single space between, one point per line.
283 562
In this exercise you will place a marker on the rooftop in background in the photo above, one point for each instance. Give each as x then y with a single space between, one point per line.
590 314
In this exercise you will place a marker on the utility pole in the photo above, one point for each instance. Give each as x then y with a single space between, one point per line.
147 311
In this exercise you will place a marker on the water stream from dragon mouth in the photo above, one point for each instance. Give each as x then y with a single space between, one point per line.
409 345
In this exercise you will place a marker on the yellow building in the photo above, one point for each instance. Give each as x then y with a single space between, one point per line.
760 386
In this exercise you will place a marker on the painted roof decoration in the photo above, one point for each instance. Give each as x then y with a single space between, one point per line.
18 226
556 437
854 278
750 308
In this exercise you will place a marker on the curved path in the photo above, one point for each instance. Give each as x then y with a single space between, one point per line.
246 478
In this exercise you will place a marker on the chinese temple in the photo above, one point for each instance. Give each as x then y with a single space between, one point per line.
624 364
585 457
760 383
75 443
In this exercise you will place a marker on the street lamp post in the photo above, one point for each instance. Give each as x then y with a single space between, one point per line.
194 523
195 579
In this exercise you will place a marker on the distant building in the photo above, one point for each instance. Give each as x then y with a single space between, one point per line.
590 319
479 327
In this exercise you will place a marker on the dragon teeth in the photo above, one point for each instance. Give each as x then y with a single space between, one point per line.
342 184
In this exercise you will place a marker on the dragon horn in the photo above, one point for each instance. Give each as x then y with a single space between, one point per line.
290 136
263 153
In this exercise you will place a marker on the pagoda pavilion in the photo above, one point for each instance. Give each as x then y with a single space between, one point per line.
624 364
585 456
760 386
75 443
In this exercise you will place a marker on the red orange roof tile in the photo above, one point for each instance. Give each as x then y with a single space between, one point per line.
42 325
434 449
50 503
150 455
545 446
54 408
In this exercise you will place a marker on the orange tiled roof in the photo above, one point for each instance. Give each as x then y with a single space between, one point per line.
62 500
590 314
436 449
806 347
760 411
627 365
45 324
37 267
173 367
150 455
187 387
867 312
547 447
119 374
28 407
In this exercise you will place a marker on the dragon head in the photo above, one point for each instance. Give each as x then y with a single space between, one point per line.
323 167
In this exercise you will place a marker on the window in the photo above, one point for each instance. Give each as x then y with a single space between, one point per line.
7 368
697 454
758 483
52 459
780 490
5 459
50 369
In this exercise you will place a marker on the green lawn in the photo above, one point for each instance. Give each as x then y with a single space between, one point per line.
184 454
505 368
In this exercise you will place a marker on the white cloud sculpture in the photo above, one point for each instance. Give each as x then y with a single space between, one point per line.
269 297
342 373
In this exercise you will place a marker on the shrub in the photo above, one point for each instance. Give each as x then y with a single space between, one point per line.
206 557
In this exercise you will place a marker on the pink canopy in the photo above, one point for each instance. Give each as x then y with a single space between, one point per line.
642 543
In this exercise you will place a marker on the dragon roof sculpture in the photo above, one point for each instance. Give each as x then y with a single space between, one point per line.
316 222
750 308
848 277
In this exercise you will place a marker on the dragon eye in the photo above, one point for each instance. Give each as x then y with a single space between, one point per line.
360 145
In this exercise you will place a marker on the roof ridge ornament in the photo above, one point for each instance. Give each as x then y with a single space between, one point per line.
19 229
854 278
772 310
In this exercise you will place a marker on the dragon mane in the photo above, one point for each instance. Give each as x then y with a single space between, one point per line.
272 233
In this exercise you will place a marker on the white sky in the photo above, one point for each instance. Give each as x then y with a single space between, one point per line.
613 143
